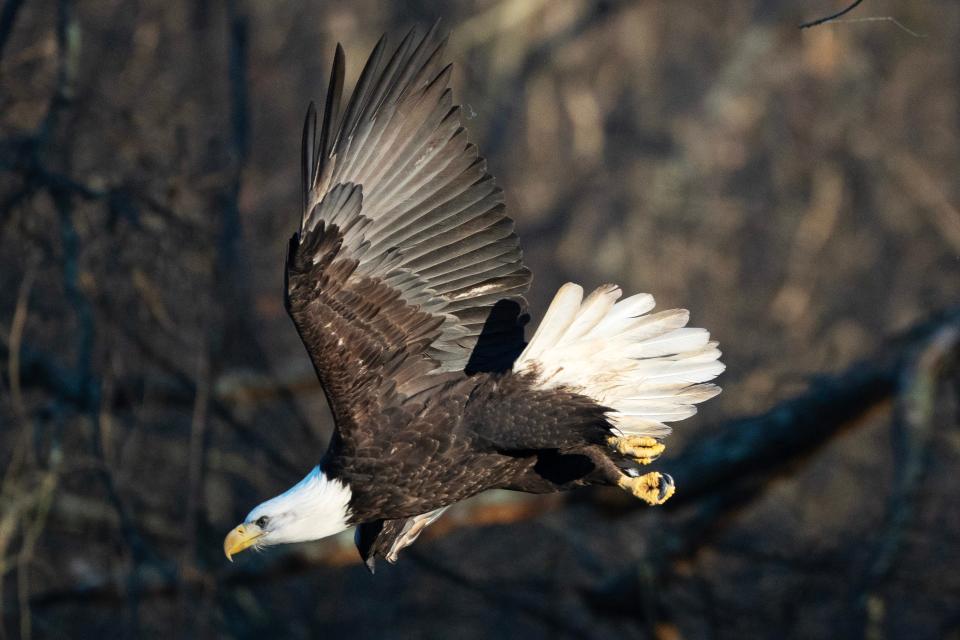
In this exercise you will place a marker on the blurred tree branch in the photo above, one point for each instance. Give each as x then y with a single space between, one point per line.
507 110
723 473
8 17
914 426
84 385
718 474
750 449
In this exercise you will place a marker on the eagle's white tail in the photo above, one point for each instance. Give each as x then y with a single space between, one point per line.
649 369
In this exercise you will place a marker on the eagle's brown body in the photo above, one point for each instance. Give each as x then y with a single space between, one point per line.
484 432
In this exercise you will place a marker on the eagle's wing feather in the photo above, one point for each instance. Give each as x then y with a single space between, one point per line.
403 248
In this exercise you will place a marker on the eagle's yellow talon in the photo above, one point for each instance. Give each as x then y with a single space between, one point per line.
643 449
653 488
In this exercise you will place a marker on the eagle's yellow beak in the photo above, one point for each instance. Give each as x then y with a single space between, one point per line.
244 536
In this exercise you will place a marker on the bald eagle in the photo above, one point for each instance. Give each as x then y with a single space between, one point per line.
405 281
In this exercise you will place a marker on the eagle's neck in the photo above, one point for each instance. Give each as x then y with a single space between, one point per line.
316 507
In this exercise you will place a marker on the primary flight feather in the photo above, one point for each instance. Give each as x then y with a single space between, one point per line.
405 281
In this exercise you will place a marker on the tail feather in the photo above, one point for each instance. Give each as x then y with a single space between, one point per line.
561 313
597 305
649 369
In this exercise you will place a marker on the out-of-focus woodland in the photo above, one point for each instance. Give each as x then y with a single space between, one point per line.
797 190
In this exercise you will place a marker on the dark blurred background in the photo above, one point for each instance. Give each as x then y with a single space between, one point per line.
797 190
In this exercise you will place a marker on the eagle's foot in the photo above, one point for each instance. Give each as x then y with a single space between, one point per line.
653 488
643 449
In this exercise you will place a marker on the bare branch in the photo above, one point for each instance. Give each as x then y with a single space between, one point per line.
751 449
914 428
890 19
8 17
719 474
814 23
724 473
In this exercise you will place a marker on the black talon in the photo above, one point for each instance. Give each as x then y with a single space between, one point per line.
666 485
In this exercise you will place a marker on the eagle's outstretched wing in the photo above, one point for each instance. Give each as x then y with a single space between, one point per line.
403 248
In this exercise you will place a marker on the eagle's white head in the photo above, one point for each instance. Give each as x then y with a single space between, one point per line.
314 508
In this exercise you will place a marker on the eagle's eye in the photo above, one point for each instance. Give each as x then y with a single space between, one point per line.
262 522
